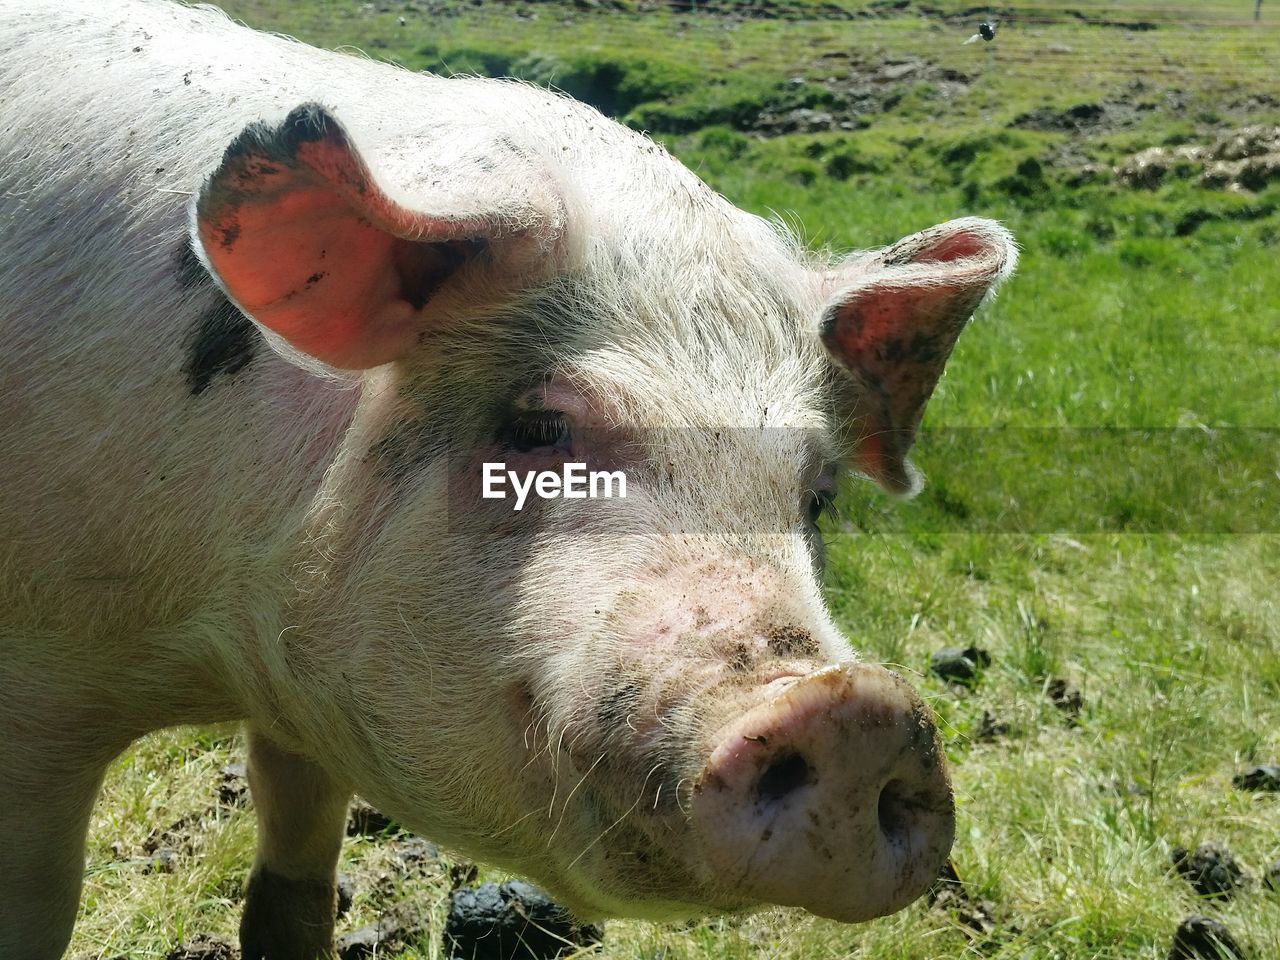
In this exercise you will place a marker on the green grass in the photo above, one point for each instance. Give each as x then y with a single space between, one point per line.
1141 563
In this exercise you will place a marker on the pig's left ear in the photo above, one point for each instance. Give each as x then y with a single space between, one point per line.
892 325
351 260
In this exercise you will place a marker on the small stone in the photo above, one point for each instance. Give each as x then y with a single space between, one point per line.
959 664
366 821
1263 778
1211 870
204 946
397 925
511 921
896 71
1200 938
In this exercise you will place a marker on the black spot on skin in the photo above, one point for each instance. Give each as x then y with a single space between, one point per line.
225 341
191 272
230 235
316 278
260 141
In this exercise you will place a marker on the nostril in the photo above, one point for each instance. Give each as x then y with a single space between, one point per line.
893 810
785 774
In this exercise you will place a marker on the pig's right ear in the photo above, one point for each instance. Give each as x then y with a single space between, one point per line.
891 324
307 241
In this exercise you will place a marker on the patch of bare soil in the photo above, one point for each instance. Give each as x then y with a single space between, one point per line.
1242 160
855 89
205 946
397 925
950 895
1107 115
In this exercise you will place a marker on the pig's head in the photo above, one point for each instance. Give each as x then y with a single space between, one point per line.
641 702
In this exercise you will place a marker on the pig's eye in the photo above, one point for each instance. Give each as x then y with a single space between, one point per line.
820 502
534 430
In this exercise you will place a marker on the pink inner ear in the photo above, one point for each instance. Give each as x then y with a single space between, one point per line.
309 268
955 246
894 330
307 244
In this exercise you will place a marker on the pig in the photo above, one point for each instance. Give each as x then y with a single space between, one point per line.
268 311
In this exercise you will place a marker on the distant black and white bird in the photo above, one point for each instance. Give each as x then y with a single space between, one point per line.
986 31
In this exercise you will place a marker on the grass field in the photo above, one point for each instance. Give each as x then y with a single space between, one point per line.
1103 457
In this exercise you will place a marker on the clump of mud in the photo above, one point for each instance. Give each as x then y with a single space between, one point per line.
1210 869
1066 696
1107 115
511 921
1261 778
233 786
959 664
1202 938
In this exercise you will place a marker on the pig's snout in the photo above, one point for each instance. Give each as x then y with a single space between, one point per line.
832 796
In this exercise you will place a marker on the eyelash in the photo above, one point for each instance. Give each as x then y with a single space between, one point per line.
535 430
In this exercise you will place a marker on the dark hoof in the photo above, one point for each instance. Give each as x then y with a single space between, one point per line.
287 919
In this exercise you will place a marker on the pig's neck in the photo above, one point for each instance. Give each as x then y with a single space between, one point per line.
279 666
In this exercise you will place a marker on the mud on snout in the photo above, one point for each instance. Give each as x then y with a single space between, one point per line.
819 787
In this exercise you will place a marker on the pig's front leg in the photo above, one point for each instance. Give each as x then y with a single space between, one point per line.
48 783
302 811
